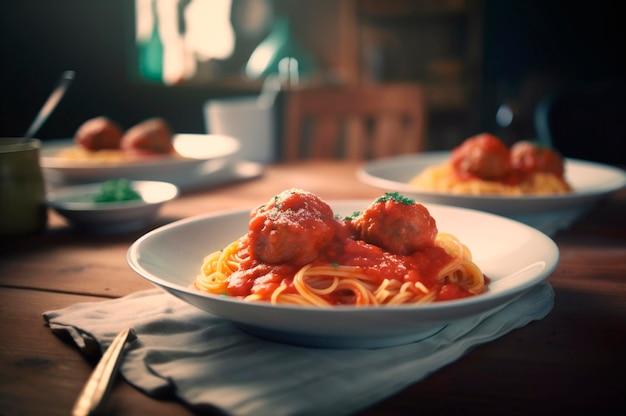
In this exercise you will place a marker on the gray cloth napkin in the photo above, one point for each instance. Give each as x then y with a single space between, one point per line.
207 362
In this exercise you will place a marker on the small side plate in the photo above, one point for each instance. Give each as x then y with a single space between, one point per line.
74 204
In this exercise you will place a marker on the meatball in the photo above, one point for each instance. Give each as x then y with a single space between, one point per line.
98 134
483 156
528 158
292 227
397 224
152 136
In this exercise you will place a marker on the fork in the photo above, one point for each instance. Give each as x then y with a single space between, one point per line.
102 377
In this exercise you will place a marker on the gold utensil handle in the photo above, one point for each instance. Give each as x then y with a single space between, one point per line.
51 103
102 377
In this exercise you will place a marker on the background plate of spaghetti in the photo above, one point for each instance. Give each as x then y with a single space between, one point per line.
590 182
514 256
62 161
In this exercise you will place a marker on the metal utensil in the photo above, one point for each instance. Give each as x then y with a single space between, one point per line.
102 377
50 104
269 91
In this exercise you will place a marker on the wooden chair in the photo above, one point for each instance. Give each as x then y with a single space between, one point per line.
354 122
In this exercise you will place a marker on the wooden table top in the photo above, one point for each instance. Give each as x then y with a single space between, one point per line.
574 360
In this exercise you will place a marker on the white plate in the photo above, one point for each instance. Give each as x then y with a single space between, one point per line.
111 217
591 182
214 173
196 150
516 257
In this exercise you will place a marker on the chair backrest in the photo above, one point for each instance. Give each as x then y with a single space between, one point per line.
356 122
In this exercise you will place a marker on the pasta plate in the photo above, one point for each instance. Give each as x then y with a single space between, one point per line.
549 213
194 150
514 256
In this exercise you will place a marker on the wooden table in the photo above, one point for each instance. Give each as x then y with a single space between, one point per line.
573 361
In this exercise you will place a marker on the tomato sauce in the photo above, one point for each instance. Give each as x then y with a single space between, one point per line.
421 266
486 157
301 230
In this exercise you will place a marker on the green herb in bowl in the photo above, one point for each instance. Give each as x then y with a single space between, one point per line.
116 190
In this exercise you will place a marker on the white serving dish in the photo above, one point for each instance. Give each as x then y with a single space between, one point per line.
549 213
514 256
194 151
110 217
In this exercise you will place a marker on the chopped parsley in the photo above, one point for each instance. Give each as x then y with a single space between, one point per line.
394 196
116 190
351 217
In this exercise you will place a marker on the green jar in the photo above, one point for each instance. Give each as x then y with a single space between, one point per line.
23 209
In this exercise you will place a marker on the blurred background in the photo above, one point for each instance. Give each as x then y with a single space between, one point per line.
487 65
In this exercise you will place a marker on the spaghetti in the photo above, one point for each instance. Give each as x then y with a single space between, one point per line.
298 252
483 165
106 157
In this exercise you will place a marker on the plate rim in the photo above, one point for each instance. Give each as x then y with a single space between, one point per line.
364 174
55 163
54 198
554 257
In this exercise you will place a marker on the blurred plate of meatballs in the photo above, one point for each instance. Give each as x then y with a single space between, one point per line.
101 149
528 183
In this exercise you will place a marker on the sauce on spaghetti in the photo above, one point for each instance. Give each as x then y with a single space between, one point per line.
394 239
483 164
485 157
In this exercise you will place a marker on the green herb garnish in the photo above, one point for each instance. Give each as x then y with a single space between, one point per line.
394 196
353 216
116 190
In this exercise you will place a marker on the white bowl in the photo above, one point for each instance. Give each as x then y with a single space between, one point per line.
194 150
548 213
514 256
111 217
